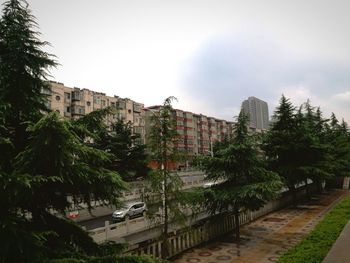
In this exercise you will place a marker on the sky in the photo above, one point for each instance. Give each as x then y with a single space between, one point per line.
211 55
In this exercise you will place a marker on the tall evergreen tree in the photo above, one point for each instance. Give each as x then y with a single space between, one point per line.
312 160
128 154
54 172
45 168
23 70
339 147
242 180
164 182
280 147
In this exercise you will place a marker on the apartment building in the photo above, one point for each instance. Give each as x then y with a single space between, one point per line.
72 103
258 113
197 132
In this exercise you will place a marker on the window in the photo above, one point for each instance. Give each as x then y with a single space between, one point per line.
121 105
103 102
58 98
66 96
76 95
138 205
129 111
68 109
88 103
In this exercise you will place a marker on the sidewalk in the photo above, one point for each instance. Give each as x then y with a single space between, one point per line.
265 239
340 252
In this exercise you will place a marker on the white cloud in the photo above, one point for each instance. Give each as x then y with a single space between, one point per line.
342 97
297 94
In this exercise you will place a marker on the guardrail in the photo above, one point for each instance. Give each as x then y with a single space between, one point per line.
211 228
118 230
193 237
191 178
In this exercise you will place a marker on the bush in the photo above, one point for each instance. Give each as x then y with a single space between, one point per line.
316 245
111 259
67 260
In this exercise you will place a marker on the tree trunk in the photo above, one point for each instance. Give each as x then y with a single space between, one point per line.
165 246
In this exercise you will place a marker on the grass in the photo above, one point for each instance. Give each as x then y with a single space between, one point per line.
315 246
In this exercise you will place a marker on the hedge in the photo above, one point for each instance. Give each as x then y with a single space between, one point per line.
315 246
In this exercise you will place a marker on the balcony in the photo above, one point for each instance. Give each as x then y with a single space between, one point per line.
76 96
78 110
137 108
121 105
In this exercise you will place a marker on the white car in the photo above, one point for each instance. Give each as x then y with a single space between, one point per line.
129 210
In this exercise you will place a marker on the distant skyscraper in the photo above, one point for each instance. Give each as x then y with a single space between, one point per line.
258 113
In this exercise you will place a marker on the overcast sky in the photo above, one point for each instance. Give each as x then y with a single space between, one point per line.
210 54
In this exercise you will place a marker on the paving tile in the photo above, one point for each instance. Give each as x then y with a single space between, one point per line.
267 238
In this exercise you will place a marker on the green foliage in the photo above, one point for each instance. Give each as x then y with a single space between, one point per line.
311 162
279 144
54 165
45 166
241 179
127 156
130 158
301 145
111 259
163 135
165 185
338 138
65 166
23 69
67 260
126 259
316 245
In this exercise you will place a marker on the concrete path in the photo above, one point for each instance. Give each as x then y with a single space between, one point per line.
265 239
340 252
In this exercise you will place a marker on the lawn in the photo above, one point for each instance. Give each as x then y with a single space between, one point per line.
316 245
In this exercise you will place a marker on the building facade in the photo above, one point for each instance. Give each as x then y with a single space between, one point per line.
72 103
258 113
197 132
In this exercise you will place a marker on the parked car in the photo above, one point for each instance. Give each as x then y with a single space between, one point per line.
129 210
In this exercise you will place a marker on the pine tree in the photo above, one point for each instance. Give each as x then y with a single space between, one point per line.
165 184
280 145
23 70
313 151
55 172
128 155
339 147
241 179
45 168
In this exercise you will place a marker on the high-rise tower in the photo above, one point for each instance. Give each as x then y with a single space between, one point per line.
258 113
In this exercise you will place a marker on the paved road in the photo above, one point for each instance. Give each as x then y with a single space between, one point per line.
265 239
100 221
96 222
